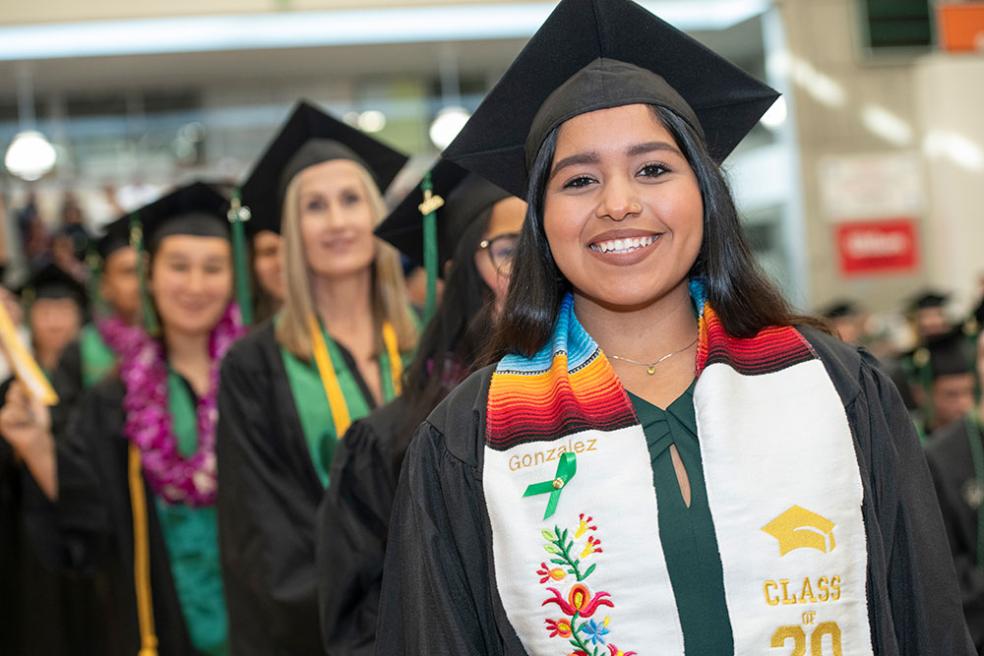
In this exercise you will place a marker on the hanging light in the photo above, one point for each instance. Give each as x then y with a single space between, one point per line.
30 155
447 124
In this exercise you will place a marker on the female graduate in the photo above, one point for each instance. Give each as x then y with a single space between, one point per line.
664 460
132 484
478 226
293 386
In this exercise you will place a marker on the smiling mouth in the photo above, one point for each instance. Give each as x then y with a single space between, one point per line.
624 245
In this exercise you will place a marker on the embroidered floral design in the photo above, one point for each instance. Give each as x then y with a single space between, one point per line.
547 573
615 651
560 628
579 603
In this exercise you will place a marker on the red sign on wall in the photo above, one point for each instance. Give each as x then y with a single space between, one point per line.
870 247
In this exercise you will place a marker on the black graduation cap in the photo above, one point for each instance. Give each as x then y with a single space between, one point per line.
52 282
928 298
464 198
949 355
309 137
840 309
116 235
598 54
196 209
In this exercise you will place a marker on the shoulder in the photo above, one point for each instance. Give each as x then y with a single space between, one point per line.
949 444
376 433
844 363
107 392
253 352
460 418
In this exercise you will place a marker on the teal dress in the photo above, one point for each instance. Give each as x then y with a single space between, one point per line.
687 533
192 539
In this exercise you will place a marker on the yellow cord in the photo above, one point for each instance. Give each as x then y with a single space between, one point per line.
329 381
396 362
141 558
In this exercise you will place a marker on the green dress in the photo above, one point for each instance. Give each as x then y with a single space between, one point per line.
687 534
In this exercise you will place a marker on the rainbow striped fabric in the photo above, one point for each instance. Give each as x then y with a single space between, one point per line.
569 386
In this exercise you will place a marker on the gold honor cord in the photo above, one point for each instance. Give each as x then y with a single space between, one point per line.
333 391
141 557
23 364
393 352
329 379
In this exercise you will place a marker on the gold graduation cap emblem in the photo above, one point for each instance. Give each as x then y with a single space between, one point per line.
799 528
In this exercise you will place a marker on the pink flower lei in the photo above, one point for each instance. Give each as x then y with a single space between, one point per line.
121 337
143 369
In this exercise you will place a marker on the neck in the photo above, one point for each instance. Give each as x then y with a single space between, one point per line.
344 304
641 333
188 355
48 358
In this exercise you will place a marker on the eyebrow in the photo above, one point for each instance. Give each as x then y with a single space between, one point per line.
592 157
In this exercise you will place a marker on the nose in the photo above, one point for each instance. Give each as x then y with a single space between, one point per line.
196 280
618 200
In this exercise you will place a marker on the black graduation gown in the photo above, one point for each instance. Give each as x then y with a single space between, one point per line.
91 523
43 610
353 521
268 499
952 465
439 594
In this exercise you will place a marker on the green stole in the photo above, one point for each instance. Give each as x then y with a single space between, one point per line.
191 536
97 358
312 405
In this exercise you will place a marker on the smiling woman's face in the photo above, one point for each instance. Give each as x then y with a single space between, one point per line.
191 282
336 218
622 212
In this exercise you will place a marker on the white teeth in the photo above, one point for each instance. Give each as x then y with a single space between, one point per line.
624 245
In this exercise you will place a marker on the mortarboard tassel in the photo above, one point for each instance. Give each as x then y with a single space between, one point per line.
147 307
428 209
238 215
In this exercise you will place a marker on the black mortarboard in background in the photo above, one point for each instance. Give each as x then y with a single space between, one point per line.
598 54
949 355
309 137
840 309
928 298
116 236
52 282
196 209
466 198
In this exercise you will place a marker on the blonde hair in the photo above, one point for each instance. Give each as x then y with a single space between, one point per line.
390 302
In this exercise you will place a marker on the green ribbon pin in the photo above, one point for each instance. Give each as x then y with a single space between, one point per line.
565 472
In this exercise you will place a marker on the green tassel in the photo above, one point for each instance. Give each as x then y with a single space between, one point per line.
429 209
147 306
238 215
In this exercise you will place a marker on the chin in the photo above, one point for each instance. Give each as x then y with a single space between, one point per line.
625 295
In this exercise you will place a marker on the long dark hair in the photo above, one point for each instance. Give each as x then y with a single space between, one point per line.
453 340
745 300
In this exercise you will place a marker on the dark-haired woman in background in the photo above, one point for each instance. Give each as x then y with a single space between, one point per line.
665 459
478 229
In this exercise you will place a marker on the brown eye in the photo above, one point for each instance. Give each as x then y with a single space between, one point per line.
578 182
653 170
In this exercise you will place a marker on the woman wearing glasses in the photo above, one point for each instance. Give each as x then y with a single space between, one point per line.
478 228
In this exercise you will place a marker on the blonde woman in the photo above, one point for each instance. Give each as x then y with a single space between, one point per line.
292 387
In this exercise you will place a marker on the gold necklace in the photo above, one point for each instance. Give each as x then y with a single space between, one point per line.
651 366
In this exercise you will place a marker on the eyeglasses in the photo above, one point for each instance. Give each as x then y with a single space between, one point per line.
501 250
